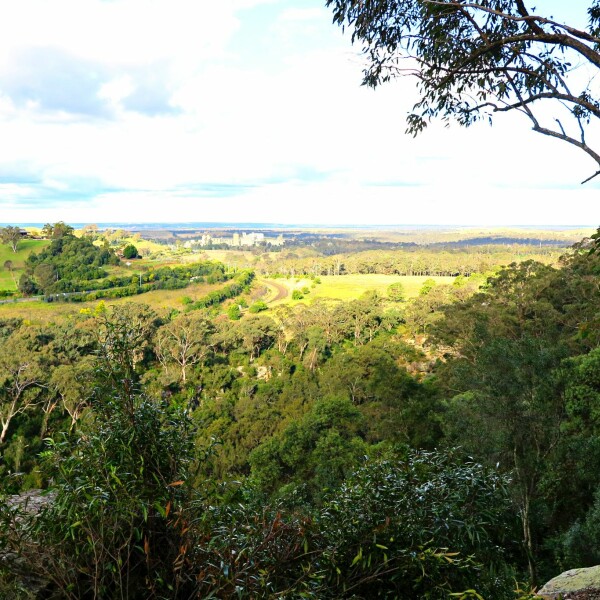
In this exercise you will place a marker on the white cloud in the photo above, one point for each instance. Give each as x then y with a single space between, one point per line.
143 105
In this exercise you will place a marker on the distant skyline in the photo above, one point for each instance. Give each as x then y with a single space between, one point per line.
248 111
234 226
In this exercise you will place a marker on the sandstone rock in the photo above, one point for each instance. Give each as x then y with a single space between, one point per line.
31 585
576 584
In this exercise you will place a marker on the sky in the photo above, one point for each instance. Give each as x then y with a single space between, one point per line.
248 111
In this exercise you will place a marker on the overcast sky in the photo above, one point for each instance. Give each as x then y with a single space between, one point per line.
247 111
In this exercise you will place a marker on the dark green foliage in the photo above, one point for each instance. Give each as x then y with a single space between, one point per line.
417 527
580 544
114 526
130 251
68 259
253 550
578 464
318 452
510 344
27 286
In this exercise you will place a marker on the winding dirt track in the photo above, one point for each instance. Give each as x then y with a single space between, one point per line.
282 291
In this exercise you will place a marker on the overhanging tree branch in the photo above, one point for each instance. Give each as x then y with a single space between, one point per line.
475 58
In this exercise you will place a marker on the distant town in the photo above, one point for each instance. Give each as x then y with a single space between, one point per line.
236 241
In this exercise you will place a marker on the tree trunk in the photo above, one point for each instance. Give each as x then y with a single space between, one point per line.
528 542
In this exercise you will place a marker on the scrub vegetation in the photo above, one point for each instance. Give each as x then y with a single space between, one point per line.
430 443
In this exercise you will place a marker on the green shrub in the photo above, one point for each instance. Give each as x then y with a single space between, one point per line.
234 312
130 251
258 306
396 293
424 526
115 527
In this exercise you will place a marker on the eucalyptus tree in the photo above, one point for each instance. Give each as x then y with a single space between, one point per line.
475 58
22 379
184 342
11 236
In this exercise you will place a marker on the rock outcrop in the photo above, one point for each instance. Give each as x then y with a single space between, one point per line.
33 586
576 584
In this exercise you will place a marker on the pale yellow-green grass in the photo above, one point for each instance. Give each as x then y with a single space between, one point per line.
8 280
160 300
351 287
37 312
167 299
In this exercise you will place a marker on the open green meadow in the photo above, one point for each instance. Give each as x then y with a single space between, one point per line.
25 248
8 280
37 311
348 287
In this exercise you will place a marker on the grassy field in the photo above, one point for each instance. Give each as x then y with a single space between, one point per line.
160 300
350 287
25 248
8 279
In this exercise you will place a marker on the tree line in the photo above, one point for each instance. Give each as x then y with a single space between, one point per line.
418 261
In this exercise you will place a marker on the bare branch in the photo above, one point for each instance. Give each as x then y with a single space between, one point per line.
591 177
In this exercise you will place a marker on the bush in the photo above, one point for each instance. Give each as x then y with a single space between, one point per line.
580 545
426 526
258 306
419 527
116 524
234 312
395 292
130 251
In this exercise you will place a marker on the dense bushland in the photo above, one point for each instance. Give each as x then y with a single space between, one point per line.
316 451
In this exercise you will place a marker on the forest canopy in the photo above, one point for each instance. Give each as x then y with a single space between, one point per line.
281 450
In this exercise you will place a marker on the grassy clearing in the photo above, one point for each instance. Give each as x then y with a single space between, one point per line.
7 280
160 300
37 312
351 287
166 299
24 249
